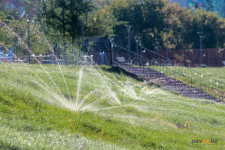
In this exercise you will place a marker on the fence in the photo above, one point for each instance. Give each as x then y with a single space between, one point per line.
210 57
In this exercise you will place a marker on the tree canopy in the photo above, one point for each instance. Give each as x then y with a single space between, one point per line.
106 18
149 17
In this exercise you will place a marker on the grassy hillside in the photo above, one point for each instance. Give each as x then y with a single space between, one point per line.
215 73
210 80
84 107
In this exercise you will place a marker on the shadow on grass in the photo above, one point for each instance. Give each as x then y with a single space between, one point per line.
111 69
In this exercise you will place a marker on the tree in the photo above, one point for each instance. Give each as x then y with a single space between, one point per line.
101 21
2 3
149 17
52 14
10 14
77 13
65 15
145 16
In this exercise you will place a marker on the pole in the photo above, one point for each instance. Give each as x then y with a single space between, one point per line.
158 50
128 29
137 50
129 43
139 55
167 54
208 57
157 41
111 52
200 50
200 35
137 43
83 38
28 32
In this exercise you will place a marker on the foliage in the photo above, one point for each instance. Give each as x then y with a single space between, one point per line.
149 17
65 16
68 18
9 14
146 18
16 34
107 18
101 21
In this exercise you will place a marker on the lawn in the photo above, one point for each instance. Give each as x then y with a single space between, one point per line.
85 107
210 80
215 73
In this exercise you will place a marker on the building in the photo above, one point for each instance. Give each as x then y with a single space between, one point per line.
209 5
182 3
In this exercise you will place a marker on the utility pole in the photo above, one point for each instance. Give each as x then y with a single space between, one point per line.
28 33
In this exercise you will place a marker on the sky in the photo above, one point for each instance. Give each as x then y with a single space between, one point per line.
182 3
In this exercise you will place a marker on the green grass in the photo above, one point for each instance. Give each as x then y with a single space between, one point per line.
115 111
215 73
209 80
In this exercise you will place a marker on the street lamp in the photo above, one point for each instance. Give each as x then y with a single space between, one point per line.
28 33
137 40
200 35
157 41
139 54
111 50
128 29
167 54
